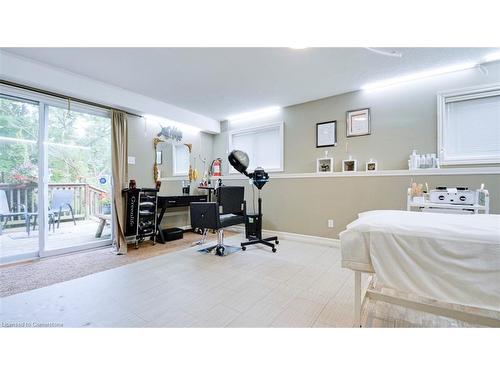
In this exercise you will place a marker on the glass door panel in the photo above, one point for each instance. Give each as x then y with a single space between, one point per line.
79 188
19 124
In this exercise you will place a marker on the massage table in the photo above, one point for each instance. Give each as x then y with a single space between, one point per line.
451 261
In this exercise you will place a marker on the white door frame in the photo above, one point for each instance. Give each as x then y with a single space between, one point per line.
43 181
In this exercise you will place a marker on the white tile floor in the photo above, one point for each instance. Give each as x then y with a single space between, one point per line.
302 285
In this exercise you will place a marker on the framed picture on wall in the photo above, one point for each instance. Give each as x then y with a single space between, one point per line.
371 166
324 165
349 165
326 134
358 122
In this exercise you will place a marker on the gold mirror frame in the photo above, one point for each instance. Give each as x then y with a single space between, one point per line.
192 175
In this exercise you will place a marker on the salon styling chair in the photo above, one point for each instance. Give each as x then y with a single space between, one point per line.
229 209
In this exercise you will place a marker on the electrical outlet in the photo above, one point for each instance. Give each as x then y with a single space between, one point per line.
330 223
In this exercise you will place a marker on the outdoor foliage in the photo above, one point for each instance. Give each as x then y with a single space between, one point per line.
20 121
78 144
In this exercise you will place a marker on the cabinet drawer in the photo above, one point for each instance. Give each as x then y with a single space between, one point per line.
181 200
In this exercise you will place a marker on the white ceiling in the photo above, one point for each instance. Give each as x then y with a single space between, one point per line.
218 82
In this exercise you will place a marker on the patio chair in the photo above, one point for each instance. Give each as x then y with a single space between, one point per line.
62 200
6 214
61 203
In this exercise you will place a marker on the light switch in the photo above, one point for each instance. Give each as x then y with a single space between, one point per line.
131 160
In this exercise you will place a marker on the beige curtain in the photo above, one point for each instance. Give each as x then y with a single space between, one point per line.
120 177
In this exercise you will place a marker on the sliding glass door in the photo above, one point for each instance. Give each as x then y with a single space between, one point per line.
19 125
79 174
55 177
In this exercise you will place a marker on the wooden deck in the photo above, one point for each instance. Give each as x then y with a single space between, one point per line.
15 241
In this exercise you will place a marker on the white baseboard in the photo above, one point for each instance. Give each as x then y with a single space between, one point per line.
334 242
325 241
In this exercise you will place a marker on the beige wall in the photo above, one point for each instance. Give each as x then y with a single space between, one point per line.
403 119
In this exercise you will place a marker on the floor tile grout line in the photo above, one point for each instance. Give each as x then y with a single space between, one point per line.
330 299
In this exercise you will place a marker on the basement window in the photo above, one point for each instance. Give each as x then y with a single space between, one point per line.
469 126
263 144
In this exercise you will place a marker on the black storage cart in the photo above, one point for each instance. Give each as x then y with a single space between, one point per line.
141 214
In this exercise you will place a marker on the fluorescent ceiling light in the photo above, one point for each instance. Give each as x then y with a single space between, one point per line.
259 113
165 122
495 56
418 75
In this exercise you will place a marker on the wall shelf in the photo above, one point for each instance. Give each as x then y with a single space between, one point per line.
380 173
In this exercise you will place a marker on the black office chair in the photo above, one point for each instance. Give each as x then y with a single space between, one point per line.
230 209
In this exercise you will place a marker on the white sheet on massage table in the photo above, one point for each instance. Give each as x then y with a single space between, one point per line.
452 258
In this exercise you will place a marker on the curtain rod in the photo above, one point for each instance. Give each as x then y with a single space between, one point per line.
65 97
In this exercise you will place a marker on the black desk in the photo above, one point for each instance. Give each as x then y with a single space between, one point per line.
169 201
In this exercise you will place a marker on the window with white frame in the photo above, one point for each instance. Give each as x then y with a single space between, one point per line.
180 159
469 126
263 144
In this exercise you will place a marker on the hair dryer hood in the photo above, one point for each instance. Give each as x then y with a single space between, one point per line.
239 160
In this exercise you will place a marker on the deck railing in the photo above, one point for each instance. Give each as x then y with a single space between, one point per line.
87 199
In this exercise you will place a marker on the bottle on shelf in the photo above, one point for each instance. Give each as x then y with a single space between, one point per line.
433 161
422 161
414 160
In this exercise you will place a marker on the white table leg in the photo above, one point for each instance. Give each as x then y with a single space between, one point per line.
357 298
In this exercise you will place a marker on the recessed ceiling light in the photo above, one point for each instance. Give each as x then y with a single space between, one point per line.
298 47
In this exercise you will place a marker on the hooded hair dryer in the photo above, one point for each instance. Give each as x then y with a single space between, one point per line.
239 160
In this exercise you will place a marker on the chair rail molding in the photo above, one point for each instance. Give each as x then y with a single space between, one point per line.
379 173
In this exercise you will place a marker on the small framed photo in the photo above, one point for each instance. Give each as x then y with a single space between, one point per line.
358 122
349 165
326 134
371 166
324 165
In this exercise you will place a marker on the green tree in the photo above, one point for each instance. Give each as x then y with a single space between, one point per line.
18 120
79 148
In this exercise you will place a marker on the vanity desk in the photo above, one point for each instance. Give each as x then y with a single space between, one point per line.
171 201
